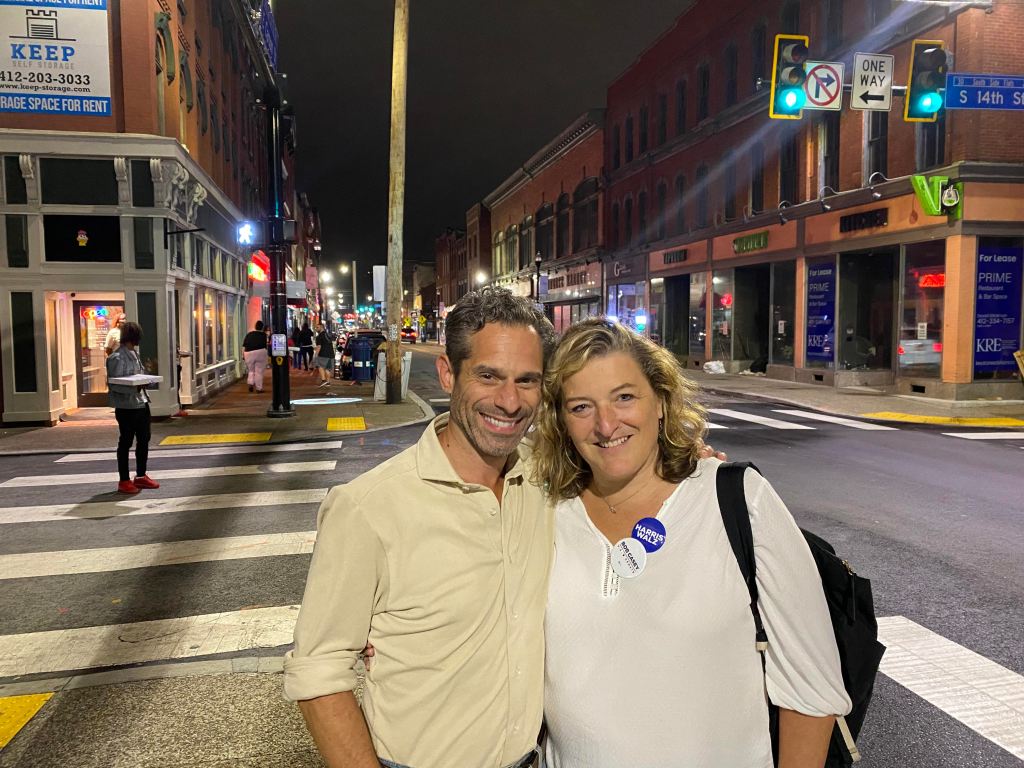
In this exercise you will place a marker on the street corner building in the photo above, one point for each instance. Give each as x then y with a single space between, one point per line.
134 149
854 245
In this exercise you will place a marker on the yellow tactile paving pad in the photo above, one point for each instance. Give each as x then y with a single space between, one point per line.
346 424
961 421
16 711
239 437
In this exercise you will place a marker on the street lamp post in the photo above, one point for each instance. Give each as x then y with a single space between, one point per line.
437 315
536 285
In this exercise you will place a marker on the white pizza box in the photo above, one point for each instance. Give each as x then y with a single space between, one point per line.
138 380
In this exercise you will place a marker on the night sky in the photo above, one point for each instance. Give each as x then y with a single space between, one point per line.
489 84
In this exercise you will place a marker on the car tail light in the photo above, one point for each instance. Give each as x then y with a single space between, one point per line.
900 350
937 346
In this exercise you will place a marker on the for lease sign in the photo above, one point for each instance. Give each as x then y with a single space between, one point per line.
55 57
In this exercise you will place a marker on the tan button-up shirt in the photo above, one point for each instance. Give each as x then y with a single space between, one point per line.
450 588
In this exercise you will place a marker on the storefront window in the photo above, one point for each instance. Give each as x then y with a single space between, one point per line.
656 323
197 330
997 307
821 313
866 295
146 303
209 351
24 341
229 326
783 312
626 302
721 315
698 313
919 351
751 315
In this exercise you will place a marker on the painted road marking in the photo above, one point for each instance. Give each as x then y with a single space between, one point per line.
833 419
987 435
327 445
346 424
981 694
171 474
441 400
16 711
961 421
241 437
753 417
152 506
103 560
63 650
714 426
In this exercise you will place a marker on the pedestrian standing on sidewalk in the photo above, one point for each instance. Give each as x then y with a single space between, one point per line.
254 350
306 345
324 355
131 409
114 335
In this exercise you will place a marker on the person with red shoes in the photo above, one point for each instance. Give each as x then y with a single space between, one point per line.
131 409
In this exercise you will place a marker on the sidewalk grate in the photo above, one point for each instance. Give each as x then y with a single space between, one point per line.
239 437
346 424
16 711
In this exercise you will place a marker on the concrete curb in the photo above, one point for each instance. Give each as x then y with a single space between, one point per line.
426 411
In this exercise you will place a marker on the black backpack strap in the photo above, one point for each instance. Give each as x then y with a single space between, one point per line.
736 518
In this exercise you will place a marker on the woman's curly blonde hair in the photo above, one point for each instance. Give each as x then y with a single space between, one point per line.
558 464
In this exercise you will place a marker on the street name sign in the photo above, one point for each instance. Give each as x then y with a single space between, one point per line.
967 91
824 85
872 81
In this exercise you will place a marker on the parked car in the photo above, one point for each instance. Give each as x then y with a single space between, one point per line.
409 335
376 338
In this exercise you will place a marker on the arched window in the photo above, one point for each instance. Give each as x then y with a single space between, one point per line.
584 214
662 212
545 230
204 115
702 196
562 232
791 18
186 82
526 252
165 47
680 204
511 249
641 217
496 255
614 228
627 222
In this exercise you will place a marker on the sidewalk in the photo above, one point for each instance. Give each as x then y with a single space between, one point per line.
233 415
862 402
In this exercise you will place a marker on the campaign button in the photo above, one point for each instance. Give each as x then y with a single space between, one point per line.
629 558
650 532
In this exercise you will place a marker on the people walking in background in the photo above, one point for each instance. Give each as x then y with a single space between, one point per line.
114 335
306 345
254 350
297 351
131 409
324 354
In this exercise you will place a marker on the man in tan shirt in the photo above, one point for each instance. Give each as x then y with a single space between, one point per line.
439 558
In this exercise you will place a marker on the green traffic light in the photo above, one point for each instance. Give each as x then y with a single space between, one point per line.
791 99
929 103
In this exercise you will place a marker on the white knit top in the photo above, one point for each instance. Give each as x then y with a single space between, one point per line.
660 670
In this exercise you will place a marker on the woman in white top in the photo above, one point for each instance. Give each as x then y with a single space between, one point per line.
651 658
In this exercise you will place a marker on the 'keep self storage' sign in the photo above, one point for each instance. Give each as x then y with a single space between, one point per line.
55 57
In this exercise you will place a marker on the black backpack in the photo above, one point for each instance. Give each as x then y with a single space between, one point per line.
849 604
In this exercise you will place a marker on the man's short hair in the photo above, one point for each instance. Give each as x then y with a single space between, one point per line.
489 306
131 333
259 325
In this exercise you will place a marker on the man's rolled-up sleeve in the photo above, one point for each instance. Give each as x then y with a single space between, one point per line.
346 582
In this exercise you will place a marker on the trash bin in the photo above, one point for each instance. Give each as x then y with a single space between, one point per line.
362 359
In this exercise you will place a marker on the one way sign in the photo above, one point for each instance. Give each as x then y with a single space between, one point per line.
872 81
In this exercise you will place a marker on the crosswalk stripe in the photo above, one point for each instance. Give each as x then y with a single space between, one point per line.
155 506
63 650
835 420
981 694
753 417
106 559
233 450
714 426
172 474
987 435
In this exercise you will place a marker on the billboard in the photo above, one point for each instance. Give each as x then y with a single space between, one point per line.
55 57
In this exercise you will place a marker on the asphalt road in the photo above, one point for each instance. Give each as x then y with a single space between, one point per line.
934 521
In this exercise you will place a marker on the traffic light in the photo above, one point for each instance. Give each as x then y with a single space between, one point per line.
928 67
788 76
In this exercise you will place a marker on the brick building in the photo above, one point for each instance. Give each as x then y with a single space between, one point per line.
124 193
801 244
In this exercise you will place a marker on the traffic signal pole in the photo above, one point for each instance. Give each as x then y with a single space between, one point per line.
277 247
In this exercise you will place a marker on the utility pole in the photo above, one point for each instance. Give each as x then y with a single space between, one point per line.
277 247
396 200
